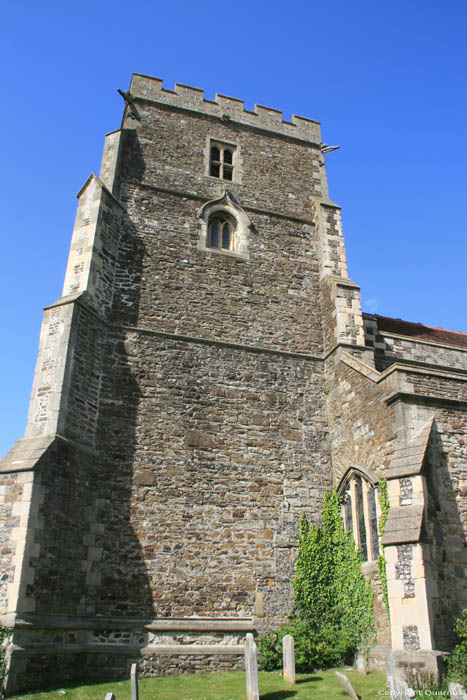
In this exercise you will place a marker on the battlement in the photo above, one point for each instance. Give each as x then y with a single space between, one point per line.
187 97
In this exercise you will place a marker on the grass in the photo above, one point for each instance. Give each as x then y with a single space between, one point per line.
322 685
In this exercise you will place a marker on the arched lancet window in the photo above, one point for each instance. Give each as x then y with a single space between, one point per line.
359 512
225 227
220 232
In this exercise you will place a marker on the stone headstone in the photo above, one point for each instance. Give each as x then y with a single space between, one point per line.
457 691
134 682
110 696
251 668
399 689
288 658
346 684
361 665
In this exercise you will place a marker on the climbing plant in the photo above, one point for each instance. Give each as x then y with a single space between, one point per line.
329 588
383 499
333 600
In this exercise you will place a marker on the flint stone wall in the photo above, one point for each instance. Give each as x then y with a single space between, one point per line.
227 450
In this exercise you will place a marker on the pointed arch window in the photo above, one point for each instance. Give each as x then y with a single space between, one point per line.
225 227
220 232
360 512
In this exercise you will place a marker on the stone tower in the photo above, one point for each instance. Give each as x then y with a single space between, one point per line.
203 380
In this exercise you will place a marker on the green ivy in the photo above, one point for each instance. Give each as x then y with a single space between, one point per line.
457 662
383 499
381 561
330 592
383 504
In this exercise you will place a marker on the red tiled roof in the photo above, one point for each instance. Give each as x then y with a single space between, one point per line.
418 330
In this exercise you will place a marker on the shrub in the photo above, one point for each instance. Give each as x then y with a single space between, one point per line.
457 662
313 649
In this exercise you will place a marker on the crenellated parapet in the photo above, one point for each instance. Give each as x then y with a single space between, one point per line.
227 108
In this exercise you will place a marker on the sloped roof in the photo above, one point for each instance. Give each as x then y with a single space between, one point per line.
421 332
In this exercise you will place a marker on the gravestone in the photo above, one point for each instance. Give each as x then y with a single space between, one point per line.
399 689
361 666
110 696
457 691
288 658
134 682
251 668
346 684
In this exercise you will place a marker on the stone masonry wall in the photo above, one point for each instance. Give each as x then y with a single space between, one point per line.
390 348
93 251
11 491
60 556
439 355
218 453
169 149
223 107
80 413
445 530
270 301
361 426
212 451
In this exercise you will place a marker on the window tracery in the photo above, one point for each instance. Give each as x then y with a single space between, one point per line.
220 232
225 227
360 512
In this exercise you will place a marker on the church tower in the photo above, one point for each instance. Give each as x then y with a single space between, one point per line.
177 427
187 401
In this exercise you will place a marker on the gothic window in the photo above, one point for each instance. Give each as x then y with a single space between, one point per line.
225 227
359 513
220 232
222 160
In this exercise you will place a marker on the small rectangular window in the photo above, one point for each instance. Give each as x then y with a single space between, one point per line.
222 161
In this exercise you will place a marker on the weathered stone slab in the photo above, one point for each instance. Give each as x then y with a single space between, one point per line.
457 691
403 525
134 682
251 668
288 658
110 696
409 455
361 665
26 453
399 689
346 684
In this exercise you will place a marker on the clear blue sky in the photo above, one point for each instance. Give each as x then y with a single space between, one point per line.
385 79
